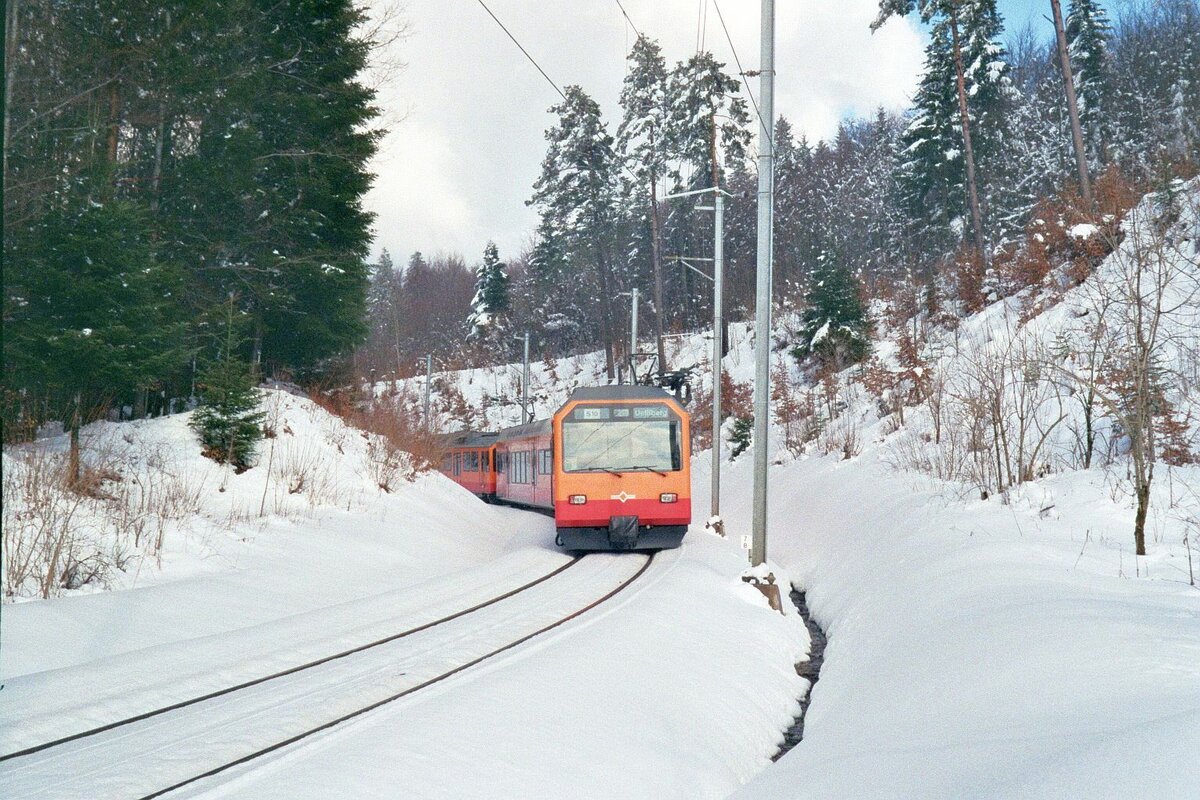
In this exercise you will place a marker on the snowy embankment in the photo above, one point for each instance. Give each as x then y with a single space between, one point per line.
686 681
1004 644
978 649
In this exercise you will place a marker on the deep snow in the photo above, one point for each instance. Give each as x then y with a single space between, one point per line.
1008 647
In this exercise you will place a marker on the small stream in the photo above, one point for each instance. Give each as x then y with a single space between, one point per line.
810 669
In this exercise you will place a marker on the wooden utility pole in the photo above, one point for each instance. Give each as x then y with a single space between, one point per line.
1064 58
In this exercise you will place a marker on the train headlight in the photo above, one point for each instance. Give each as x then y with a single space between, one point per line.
577 499
668 497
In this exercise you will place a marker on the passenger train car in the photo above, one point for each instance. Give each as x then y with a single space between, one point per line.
612 466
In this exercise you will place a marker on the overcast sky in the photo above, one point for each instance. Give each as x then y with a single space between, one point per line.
467 114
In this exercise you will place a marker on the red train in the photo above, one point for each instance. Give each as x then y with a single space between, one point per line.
612 465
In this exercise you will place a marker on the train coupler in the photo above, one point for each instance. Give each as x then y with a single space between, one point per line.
622 532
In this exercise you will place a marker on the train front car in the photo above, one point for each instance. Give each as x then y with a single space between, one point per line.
621 470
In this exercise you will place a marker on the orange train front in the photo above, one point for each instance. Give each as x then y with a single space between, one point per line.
622 479
612 465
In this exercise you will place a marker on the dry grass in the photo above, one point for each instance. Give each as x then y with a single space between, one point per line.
60 535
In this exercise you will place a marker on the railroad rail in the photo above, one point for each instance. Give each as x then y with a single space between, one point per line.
284 672
302 729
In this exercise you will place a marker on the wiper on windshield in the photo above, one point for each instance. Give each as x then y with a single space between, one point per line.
650 468
593 469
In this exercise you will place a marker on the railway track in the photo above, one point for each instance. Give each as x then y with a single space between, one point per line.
157 752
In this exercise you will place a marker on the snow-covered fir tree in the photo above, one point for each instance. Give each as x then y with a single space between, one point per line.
963 44
835 328
1088 32
576 195
642 143
490 302
700 88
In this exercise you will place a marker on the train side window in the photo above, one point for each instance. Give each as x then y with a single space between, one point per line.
458 463
545 461
484 459
471 461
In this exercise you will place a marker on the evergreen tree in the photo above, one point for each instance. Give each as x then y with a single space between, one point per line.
642 141
91 315
281 222
1088 33
700 91
384 316
229 420
834 322
576 197
942 151
491 295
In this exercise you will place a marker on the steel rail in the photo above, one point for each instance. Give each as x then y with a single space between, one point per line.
392 698
283 673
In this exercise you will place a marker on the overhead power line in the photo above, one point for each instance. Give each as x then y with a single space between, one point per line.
523 50
625 14
742 72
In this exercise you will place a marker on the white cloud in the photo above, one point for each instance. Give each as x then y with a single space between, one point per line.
468 113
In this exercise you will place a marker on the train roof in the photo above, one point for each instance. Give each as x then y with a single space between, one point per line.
620 392
535 428
467 438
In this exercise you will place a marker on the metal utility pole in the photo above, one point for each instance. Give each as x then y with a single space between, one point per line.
428 378
526 417
762 315
718 352
1085 183
718 343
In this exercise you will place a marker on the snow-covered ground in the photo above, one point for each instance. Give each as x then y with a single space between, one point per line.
1007 646
686 680
978 649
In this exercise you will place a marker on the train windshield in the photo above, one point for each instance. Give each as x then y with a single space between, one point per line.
640 438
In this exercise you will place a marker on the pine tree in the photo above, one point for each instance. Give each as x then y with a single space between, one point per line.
576 197
946 153
642 141
700 91
834 322
280 221
91 314
229 420
1088 33
491 295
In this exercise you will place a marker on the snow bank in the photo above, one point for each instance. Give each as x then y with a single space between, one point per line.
981 650
679 689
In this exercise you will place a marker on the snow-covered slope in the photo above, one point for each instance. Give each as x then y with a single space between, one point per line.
1011 646
686 681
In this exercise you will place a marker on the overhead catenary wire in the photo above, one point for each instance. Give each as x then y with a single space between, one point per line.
523 50
742 72
625 14
616 156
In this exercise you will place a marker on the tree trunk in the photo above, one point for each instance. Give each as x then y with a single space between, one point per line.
968 150
1064 58
11 19
656 260
606 329
74 468
256 357
114 120
1139 520
159 144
